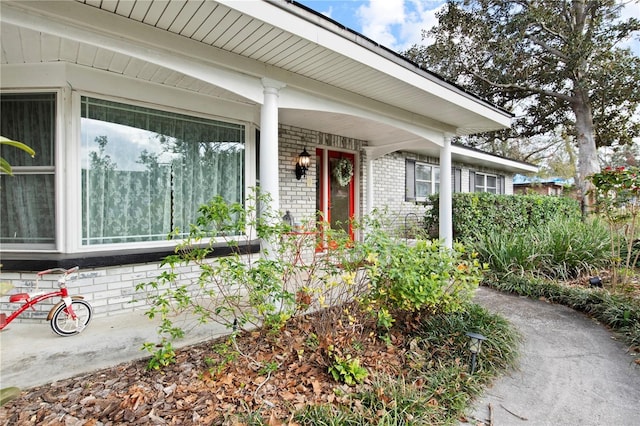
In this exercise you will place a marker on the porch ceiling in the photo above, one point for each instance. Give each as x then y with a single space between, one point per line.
234 27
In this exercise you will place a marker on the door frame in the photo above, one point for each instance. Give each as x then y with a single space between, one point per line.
323 157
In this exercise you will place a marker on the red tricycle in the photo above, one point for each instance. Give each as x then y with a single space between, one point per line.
68 317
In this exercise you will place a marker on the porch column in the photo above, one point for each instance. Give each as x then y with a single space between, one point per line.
369 164
446 203
269 176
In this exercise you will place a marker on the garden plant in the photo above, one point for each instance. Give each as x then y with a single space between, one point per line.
617 198
354 316
555 260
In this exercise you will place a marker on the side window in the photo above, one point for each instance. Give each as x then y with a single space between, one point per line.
421 180
27 199
146 172
484 182
424 180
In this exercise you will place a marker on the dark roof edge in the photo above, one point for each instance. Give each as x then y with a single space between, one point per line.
391 55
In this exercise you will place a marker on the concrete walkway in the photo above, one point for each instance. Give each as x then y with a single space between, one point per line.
32 355
572 371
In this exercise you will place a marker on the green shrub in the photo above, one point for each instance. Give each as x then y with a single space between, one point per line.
485 212
244 291
562 249
617 195
422 276
347 370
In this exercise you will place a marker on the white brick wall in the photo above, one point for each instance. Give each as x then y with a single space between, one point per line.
111 290
389 185
297 196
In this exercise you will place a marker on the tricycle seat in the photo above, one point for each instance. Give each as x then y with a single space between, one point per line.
19 297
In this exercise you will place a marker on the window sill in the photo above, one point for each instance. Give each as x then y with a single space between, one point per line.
42 261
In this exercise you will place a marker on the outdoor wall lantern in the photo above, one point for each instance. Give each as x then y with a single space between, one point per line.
475 342
302 165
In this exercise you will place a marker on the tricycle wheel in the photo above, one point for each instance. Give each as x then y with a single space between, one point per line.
62 323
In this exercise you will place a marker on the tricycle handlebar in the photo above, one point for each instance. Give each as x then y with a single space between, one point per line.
59 270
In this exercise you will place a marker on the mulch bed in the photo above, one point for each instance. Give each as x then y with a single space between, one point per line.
275 376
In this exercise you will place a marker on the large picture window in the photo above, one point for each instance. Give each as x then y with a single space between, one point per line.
146 172
27 199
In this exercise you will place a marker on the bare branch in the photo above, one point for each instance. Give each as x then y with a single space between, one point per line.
552 32
548 48
531 89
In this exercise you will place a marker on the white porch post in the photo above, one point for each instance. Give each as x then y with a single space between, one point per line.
369 164
446 203
269 176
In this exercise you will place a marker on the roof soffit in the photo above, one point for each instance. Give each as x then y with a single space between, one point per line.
226 37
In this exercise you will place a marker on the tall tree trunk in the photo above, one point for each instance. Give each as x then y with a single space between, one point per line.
587 151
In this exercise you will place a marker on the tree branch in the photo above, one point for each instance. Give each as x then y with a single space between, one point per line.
531 89
552 32
539 150
548 48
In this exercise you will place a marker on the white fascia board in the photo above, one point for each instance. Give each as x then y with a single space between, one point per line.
275 14
492 160
75 21
16 76
375 152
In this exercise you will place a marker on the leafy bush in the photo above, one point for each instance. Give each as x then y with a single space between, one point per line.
347 370
617 196
244 291
422 276
489 212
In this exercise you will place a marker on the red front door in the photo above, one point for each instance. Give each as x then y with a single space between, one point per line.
335 199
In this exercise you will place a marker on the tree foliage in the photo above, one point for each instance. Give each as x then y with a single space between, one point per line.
557 65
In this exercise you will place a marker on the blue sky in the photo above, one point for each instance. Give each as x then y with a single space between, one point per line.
398 24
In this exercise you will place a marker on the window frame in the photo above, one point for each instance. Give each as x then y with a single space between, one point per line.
430 183
56 170
75 179
500 182
410 179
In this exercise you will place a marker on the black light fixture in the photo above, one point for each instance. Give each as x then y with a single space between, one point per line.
475 342
302 165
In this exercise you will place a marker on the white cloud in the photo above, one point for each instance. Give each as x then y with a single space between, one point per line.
380 20
421 18
328 13
397 24
631 9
